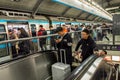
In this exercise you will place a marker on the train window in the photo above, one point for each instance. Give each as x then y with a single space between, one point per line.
33 29
68 23
16 14
3 47
3 37
10 13
20 14
3 50
2 28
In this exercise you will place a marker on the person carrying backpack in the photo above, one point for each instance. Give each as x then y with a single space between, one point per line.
42 41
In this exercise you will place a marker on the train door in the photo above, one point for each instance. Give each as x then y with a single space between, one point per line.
4 48
14 25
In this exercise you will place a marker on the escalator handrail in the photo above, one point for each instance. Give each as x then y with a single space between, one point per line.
80 69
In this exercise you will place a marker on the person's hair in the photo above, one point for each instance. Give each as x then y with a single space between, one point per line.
59 29
10 30
86 31
76 25
105 52
94 27
63 25
51 26
18 29
23 32
41 26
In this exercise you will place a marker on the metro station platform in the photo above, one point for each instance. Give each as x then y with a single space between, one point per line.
100 17
37 66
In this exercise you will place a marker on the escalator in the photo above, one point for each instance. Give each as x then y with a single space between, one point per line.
30 67
38 67
95 68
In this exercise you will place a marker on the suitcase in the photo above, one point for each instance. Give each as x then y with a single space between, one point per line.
60 70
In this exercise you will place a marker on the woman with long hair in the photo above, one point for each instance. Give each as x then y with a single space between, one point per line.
24 45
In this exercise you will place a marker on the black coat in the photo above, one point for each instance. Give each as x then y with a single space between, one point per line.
66 44
52 38
24 45
87 47
43 40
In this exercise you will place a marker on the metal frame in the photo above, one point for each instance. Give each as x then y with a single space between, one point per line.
7 36
87 17
79 14
29 38
113 5
16 10
36 7
37 37
65 11
100 19
97 19
94 18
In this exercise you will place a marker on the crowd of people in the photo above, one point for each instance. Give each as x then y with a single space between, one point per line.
21 47
83 36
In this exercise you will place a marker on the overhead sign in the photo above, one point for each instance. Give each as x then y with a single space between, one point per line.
116 24
109 47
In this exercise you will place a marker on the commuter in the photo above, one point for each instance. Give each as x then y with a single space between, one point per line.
33 32
89 27
94 33
52 38
104 32
111 29
42 41
69 28
24 45
14 45
99 31
64 43
83 27
105 66
76 28
64 28
76 34
72 34
87 45
102 53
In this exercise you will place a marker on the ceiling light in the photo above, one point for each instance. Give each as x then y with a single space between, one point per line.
16 0
115 13
112 8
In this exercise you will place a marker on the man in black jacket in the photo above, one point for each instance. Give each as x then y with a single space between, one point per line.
87 45
52 38
64 43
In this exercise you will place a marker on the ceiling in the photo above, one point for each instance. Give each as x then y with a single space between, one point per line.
48 7
107 4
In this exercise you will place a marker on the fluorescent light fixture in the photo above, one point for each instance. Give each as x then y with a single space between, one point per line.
16 0
115 13
111 8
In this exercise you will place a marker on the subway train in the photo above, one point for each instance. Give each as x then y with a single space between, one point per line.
31 26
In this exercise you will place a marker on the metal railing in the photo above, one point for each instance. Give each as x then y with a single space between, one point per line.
37 46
